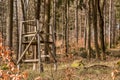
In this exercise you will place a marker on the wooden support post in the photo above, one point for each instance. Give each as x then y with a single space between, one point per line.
54 49
20 43
34 57
38 45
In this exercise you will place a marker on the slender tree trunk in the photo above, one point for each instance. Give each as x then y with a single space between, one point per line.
114 26
17 34
110 22
76 20
89 32
85 31
101 25
10 24
119 27
24 13
94 5
105 27
37 15
47 28
54 22
66 27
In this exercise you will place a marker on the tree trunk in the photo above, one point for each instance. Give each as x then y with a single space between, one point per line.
47 28
76 20
94 5
37 15
66 27
110 22
85 31
54 23
10 23
89 32
101 25
17 33
114 26
105 26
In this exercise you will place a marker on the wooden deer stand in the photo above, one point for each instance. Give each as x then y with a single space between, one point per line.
31 41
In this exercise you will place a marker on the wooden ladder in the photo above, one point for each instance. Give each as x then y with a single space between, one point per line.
31 40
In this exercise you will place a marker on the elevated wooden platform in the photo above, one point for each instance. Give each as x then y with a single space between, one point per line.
32 40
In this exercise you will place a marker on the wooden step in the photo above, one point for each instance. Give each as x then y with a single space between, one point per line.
32 24
34 42
28 35
30 61
34 60
32 34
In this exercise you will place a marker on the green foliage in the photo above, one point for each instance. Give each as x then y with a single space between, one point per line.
77 64
118 63
4 67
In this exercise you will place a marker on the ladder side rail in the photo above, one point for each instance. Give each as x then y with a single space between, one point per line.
20 40
55 60
54 48
38 45
53 45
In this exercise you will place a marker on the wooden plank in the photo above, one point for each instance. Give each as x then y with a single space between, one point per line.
34 60
20 40
28 21
35 42
38 50
43 56
27 42
30 24
28 35
31 61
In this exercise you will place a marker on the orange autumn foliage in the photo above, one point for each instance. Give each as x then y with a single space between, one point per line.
8 69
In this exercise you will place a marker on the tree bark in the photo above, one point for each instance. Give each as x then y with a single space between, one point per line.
76 20
110 22
54 23
89 32
37 15
94 5
101 25
66 27
47 28
10 24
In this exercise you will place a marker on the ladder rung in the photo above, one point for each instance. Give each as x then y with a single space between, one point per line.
27 42
30 24
35 60
43 56
28 35
34 43
28 21
32 34
31 61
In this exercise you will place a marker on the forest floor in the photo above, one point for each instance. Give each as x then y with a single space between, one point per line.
78 68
